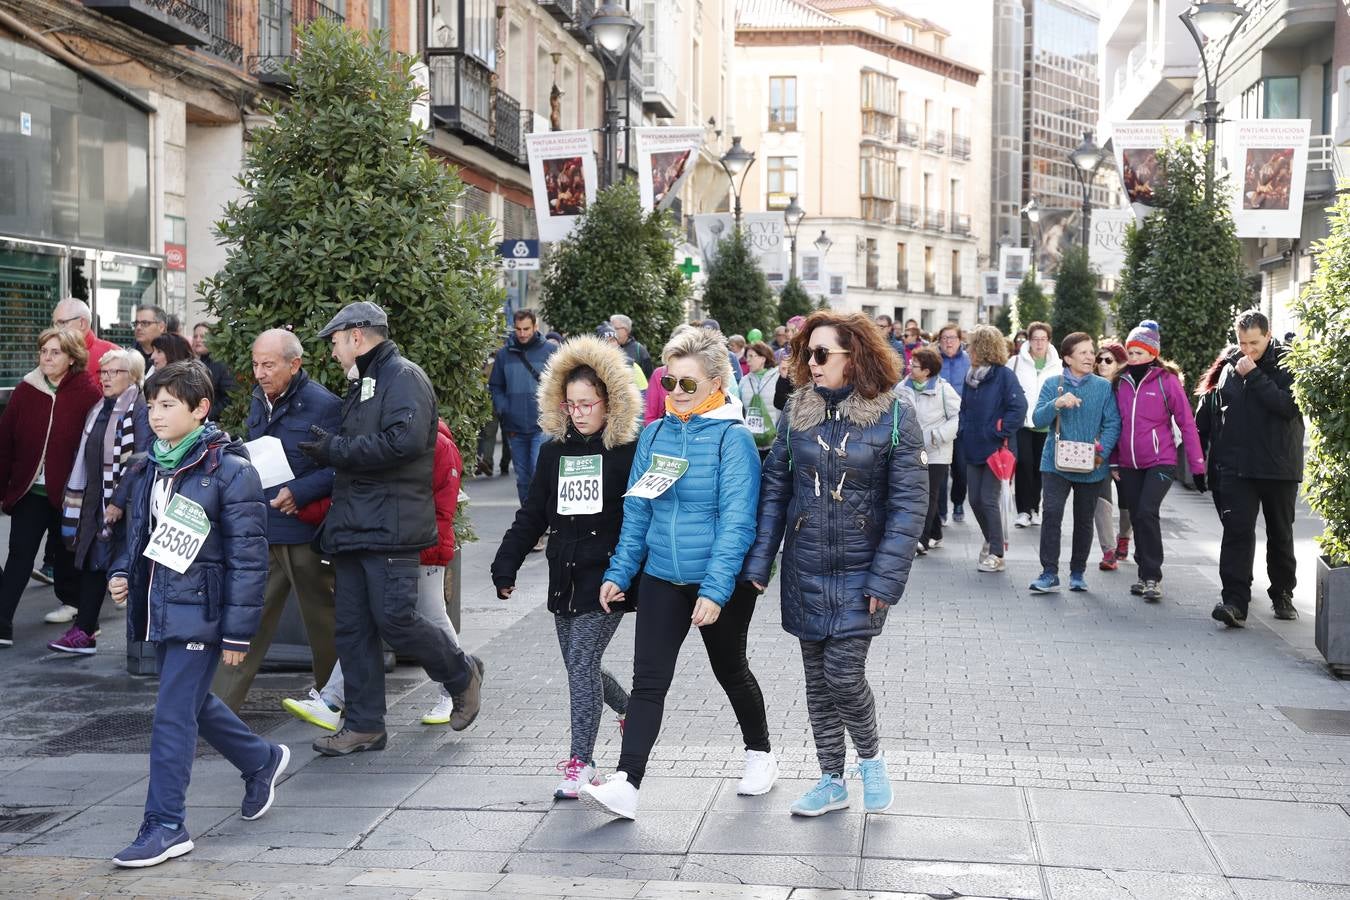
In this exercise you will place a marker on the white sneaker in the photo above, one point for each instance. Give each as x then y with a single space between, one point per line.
440 713
1023 520
992 563
761 771
1035 517
616 796
575 774
62 615
934 543
314 711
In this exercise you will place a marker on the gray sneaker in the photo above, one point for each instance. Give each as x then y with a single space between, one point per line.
468 702
347 742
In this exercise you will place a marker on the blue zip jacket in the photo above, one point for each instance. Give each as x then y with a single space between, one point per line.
219 599
955 369
1097 420
998 396
514 386
302 404
699 530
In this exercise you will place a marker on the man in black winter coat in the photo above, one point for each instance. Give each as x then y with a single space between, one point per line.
1257 463
383 515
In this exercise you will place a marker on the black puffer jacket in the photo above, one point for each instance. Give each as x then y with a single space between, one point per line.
851 498
383 457
581 545
1261 429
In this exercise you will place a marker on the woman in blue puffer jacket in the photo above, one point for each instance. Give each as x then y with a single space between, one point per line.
847 482
690 513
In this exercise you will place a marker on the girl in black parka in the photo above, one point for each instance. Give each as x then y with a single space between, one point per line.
591 410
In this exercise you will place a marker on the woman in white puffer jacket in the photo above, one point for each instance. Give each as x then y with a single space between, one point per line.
939 408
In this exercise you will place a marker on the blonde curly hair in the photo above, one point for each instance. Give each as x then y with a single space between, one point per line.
987 346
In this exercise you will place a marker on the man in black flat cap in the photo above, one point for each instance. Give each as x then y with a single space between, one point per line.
383 515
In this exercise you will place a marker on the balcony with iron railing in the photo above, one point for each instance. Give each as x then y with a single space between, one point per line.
783 118
934 220
956 284
660 86
907 215
280 23
961 223
565 11
907 132
461 95
960 146
935 140
585 9
225 25
507 137
902 280
171 21
929 283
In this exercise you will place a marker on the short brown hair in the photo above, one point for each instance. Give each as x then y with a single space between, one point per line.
72 345
950 326
927 359
873 368
1041 326
1071 342
763 351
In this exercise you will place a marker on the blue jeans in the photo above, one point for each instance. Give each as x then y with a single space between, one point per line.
185 708
524 454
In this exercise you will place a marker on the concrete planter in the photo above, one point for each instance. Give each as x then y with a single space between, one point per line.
1332 630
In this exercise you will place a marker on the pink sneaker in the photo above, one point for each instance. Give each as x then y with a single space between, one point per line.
74 641
575 774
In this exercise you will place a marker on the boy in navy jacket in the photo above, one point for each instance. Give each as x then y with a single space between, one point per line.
193 566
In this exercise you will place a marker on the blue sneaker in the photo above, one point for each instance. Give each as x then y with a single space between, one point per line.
1077 582
876 784
260 788
958 513
154 844
828 795
1048 583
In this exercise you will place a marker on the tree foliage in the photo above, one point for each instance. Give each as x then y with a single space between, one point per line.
793 300
1075 306
342 203
736 293
1003 320
618 259
1184 265
1032 305
1322 383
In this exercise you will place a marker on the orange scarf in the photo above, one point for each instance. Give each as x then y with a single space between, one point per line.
715 401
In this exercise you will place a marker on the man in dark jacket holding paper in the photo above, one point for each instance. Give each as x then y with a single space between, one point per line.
383 515
286 403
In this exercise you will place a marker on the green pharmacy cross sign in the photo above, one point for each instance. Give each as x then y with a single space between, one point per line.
688 268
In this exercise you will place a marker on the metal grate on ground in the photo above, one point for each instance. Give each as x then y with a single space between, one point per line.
129 732
1319 721
20 819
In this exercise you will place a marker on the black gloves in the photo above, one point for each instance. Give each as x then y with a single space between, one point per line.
318 449
1199 482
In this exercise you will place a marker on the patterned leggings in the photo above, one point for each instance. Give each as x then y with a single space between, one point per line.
838 697
583 639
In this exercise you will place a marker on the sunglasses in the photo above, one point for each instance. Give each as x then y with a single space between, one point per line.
688 385
1103 360
821 355
579 407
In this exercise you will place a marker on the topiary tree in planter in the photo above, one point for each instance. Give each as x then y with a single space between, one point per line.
1320 360
1075 306
1031 305
793 300
1003 320
617 259
736 293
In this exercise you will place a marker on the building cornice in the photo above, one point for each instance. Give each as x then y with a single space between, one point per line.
863 39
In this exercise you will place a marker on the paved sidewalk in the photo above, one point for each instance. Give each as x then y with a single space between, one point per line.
1061 746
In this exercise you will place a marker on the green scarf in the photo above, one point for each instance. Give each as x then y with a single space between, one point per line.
169 458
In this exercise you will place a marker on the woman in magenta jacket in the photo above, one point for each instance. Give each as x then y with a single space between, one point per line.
1151 398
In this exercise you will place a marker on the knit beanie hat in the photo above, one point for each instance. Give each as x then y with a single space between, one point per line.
1146 337
1115 349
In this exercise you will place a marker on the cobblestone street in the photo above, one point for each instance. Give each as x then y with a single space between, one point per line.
1062 746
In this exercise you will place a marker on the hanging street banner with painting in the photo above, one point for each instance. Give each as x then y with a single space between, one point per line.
1269 161
665 157
563 177
764 231
1136 146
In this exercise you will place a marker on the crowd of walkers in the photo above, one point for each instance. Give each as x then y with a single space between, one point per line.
664 487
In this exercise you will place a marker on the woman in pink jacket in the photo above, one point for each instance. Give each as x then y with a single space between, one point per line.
1151 400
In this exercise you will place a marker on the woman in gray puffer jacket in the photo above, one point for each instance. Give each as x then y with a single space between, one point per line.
846 481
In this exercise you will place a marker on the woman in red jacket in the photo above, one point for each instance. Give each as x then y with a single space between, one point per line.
39 434
324 706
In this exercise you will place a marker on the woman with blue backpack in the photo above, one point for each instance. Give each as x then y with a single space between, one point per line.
846 484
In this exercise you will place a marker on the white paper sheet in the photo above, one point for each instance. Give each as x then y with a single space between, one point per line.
269 458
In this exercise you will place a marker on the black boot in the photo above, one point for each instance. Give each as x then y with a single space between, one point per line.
1229 615
1284 606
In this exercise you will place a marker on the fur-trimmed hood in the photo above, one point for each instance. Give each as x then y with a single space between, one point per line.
615 370
807 408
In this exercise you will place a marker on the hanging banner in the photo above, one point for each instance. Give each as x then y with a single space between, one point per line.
665 157
1057 231
1136 146
563 178
1269 168
1013 263
765 232
1106 244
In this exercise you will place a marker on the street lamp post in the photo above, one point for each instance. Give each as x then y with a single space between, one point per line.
1210 21
737 161
1033 213
1086 157
613 32
792 220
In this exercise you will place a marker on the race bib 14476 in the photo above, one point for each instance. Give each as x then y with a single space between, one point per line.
580 485
180 534
663 472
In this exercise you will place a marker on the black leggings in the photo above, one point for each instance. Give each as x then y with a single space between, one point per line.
662 624
1027 478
